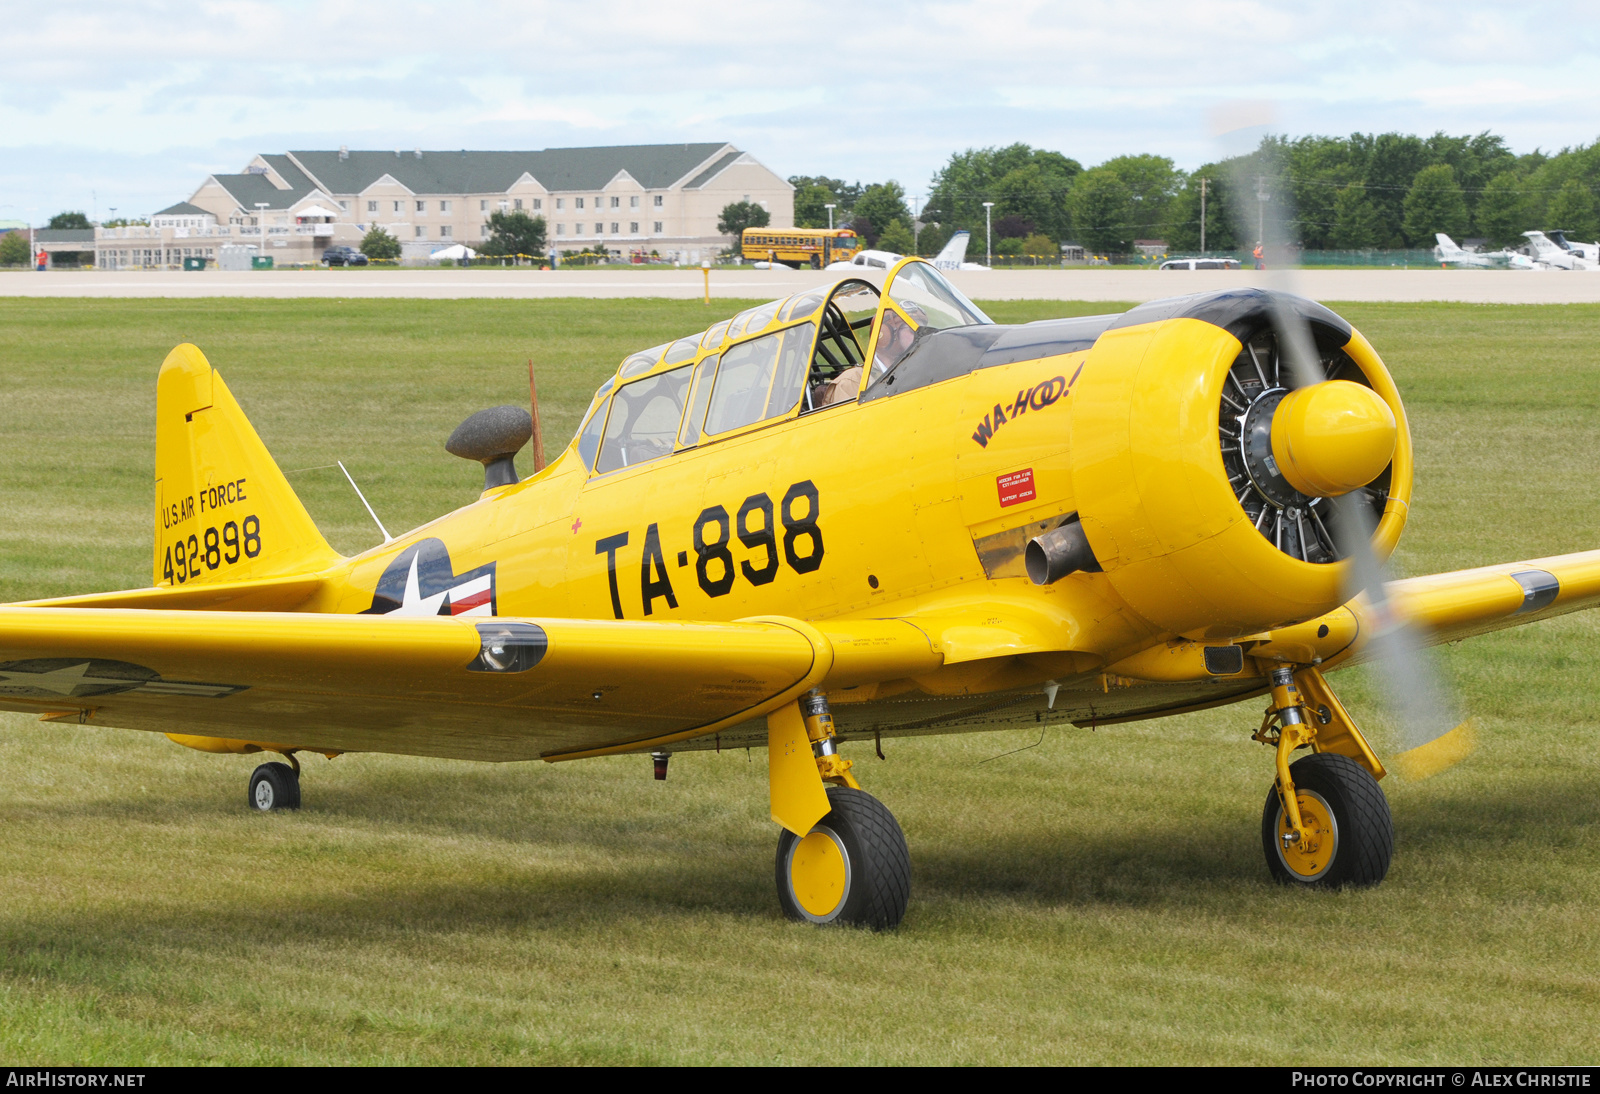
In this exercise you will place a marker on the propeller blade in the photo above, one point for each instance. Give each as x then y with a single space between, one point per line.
1433 736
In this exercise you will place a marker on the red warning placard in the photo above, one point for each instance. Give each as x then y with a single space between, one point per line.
1015 488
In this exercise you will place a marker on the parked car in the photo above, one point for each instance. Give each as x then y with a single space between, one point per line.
344 256
1200 264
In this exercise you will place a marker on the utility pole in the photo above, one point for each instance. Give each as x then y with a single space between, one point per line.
988 233
1203 183
1262 197
830 209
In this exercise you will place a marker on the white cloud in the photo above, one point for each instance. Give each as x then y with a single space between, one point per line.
138 99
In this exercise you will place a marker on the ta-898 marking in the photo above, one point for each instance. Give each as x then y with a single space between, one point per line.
219 548
713 531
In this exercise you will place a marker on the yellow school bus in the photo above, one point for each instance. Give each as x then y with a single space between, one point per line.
797 247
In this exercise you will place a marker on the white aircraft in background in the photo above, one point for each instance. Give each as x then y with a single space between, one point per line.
953 257
1449 253
1552 257
1589 252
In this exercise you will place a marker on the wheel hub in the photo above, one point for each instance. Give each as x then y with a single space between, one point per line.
819 874
1309 859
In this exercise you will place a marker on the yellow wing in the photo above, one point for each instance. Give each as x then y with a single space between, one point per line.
490 689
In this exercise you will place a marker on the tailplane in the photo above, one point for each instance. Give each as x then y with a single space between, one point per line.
224 511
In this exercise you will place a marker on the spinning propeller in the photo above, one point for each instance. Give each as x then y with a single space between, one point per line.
1331 440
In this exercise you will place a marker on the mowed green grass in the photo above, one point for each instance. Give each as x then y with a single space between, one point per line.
1100 898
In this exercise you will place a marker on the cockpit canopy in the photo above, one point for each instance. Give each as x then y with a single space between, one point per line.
801 355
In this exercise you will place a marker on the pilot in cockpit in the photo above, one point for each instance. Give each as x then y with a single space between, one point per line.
894 341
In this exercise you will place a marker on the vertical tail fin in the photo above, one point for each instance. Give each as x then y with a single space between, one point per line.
224 511
954 253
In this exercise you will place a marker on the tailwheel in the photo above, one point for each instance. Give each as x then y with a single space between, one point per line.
852 868
274 786
1352 836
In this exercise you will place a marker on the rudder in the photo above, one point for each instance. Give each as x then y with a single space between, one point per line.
224 511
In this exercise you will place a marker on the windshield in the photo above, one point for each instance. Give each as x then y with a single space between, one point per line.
931 301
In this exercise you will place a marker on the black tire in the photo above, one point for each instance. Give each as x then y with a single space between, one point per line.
878 874
1363 833
273 787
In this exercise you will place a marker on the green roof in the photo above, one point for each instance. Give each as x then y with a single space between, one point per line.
64 235
249 189
183 209
713 171
653 166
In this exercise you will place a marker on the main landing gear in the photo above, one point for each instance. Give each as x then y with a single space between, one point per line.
275 786
842 858
1326 823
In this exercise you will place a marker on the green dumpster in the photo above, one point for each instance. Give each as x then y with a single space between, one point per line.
261 262
194 263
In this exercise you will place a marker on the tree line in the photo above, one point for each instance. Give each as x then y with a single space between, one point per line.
1365 191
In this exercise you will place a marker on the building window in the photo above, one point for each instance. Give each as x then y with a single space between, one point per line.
372 207
633 227
345 205
616 203
561 229
445 231
577 203
614 227
483 205
399 206
422 232
486 232
422 207
658 228
444 207
659 201
519 203
538 203
561 203
633 202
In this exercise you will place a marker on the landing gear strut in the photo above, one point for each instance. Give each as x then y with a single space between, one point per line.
842 858
1326 823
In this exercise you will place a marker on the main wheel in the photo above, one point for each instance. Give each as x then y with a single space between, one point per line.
852 868
1352 834
274 786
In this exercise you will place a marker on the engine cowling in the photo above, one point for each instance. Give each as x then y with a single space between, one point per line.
1203 473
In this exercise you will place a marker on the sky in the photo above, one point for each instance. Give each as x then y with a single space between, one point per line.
130 104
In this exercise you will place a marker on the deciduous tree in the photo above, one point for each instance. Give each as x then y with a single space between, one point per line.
1435 204
1573 209
739 215
515 232
379 244
70 220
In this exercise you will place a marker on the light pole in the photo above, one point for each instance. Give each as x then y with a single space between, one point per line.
830 209
988 232
261 222
1203 183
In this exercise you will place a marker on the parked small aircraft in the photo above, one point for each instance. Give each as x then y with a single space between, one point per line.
1545 253
1589 252
854 513
1448 252
951 257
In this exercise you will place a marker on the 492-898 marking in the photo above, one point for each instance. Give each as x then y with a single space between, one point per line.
215 549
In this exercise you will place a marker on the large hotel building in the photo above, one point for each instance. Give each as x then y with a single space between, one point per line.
655 198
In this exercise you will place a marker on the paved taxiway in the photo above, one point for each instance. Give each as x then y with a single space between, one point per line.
1469 286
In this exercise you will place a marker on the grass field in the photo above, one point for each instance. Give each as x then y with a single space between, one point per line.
1099 898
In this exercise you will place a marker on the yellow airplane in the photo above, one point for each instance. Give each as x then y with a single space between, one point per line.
855 513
